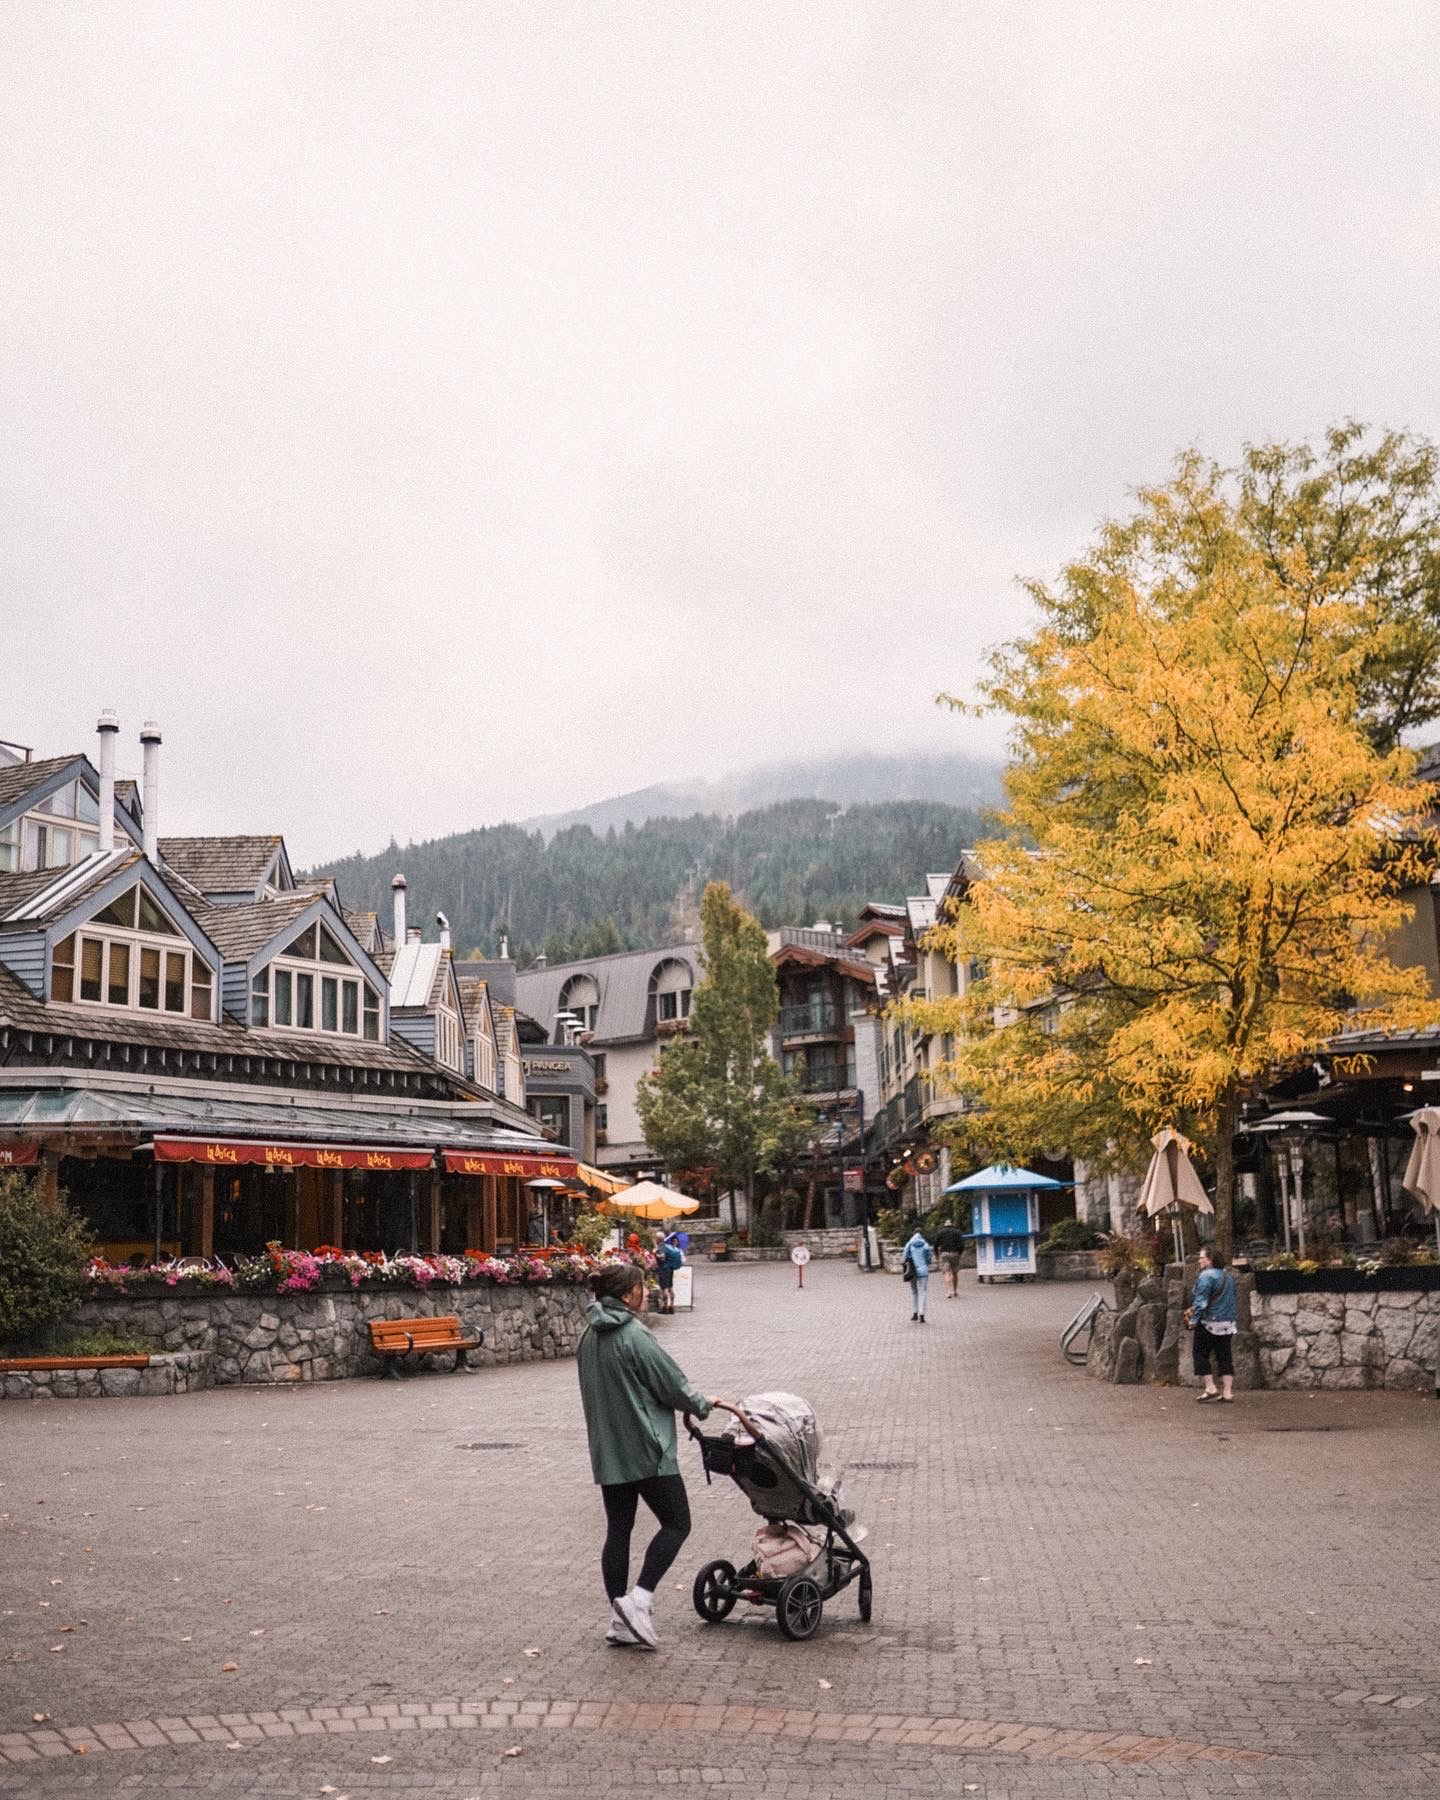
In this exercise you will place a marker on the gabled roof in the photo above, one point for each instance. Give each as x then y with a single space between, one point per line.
239 931
475 1001
17 779
223 865
369 932
60 889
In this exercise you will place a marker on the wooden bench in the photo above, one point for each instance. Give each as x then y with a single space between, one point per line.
394 1339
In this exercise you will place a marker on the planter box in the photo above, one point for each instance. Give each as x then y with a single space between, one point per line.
1420 1278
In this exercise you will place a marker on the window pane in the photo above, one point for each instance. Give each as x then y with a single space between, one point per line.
305 1002
304 945
284 982
372 1016
86 844
88 807
152 919
33 845
175 981
58 853
350 1020
200 991
62 802
330 951
329 1003
150 978
62 981
260 999
92 953
65 950
117 985
120 911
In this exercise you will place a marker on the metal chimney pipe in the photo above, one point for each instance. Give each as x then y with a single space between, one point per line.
108 726
150 788
397 894
444 925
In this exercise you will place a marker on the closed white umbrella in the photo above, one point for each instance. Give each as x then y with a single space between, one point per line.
1171 1182
1422 1172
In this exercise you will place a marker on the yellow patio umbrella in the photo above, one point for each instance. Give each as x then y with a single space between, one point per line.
1171 1182
1422 1172
648 1200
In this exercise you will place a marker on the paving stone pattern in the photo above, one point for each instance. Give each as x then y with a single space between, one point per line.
1080 1588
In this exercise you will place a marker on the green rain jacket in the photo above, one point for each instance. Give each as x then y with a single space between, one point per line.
631 1391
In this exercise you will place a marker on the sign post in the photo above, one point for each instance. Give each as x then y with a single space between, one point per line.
800 1255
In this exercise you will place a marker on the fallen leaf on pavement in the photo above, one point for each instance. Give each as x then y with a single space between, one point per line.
827 1684
514 1750
382 1759
40 1718
57 1649
532 1652
228 1668
259 1633
80 1749
1143 1662
382 1612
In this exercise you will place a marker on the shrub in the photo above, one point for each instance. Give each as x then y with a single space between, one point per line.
765 1227
593 1230
1071 1234
1124 1256
44 1247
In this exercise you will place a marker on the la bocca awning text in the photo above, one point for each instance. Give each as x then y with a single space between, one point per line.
230 1152
499 1162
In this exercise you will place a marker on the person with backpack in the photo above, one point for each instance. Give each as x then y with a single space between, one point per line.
668 1258
1215 1316
916 1271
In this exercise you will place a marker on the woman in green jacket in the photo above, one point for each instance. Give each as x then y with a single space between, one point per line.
631 1391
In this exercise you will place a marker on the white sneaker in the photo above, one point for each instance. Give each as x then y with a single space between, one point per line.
619 1632
637 1620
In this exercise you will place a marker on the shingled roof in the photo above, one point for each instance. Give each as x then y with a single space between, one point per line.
222 865
17 779
239 931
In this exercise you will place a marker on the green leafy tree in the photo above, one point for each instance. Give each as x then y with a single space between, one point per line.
719 1098
44 1247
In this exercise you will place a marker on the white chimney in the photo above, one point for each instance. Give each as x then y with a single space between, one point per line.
412 936
107 725
397 894
444 925
150 787
505 947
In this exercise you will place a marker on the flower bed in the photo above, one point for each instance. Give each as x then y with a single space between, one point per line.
1364 1278
330 1270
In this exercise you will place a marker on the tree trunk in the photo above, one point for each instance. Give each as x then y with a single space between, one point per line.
809 1218
734 1215
1226 1119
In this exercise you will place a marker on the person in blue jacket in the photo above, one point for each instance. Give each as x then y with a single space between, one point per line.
917 1257
1215 1316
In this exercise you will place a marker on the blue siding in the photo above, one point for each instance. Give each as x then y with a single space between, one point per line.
23 953
235 991
416 1028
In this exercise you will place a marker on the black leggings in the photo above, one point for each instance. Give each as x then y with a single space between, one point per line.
666 1497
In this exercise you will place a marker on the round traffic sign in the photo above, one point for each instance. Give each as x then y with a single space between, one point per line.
800 1255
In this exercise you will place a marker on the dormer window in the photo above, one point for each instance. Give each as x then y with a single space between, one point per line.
671 987
57 831
580 998
313 986
115 960
449 1039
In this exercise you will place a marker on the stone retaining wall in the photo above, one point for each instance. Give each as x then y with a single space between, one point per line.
843 1241
171 1374
266 1338
1347 1341
1070 1265
1385 1340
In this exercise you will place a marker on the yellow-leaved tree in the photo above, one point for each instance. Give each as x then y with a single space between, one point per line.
1208 834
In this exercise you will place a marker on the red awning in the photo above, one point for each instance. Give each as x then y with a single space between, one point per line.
499 1162
18 1156
230 1152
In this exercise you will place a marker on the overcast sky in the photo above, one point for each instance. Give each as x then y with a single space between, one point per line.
437 413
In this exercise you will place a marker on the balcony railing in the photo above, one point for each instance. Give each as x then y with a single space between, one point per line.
825 1078
816 1018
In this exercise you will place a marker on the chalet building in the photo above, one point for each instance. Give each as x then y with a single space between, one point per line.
206 1055
622 1009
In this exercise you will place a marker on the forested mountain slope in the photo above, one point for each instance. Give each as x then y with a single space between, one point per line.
583 894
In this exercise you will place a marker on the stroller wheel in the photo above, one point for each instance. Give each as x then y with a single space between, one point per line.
867 1596
798 1608
712 1601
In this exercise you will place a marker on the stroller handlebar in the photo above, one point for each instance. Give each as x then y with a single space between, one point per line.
724 1406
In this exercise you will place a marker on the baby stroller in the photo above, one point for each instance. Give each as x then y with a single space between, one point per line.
771 1452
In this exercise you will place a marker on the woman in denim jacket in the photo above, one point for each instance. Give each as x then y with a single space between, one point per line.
1212 1311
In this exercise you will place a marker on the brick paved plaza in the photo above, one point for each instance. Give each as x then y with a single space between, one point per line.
1080 1589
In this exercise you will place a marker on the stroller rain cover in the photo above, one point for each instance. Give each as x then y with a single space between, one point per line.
791 1430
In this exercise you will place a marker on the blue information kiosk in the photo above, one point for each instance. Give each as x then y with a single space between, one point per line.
1006 1205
